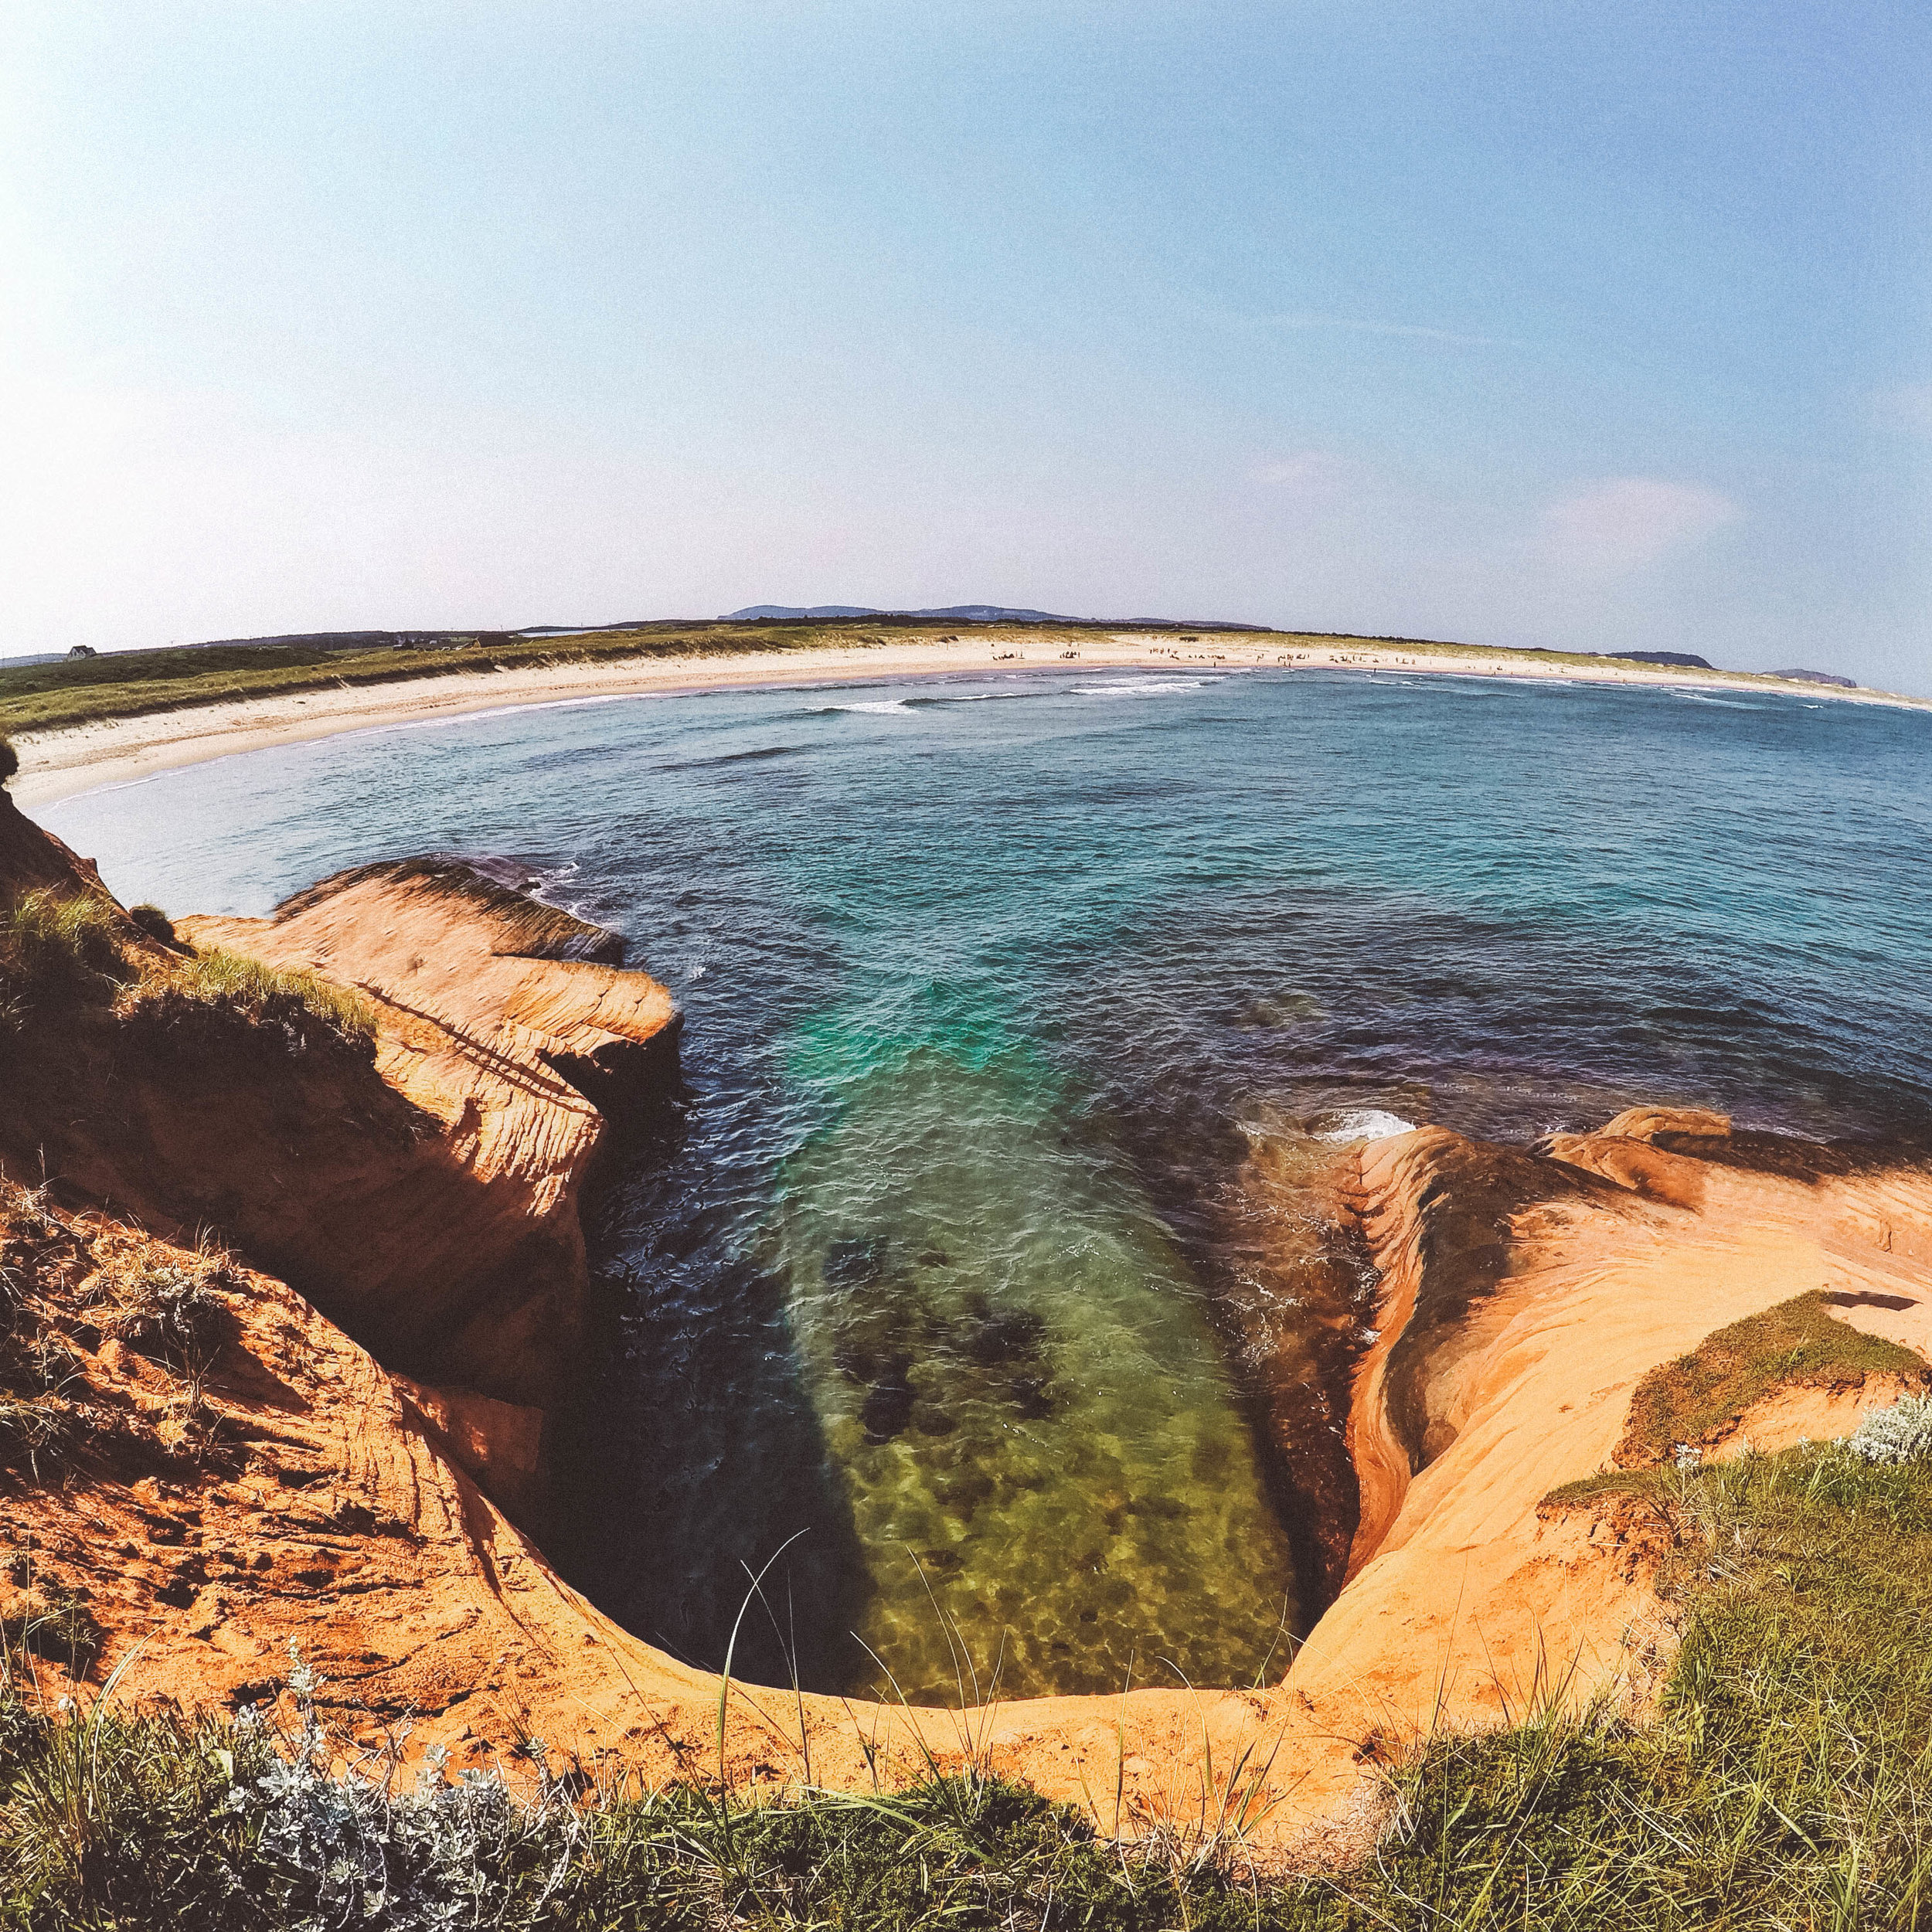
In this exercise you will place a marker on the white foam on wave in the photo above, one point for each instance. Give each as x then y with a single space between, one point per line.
1367 1123
882 704
1143 687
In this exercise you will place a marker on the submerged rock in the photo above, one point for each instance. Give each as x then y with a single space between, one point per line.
1023 1400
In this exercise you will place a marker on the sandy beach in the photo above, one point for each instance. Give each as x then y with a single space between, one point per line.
56 765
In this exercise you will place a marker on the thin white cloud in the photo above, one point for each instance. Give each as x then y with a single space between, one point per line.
1359 326
1624 523
1305 474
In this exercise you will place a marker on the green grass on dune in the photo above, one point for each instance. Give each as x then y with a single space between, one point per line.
64 954
1797 1345
127 683
1787 1784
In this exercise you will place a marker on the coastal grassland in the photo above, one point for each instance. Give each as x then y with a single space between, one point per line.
53 697
1786 1782
69 952
1797 1345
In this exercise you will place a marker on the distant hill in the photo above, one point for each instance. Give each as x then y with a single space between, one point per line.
959 613
1819 677
1680 660
969 614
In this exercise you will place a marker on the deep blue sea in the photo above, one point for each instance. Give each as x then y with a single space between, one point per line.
993 987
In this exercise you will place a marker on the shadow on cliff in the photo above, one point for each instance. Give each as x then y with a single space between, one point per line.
690 1452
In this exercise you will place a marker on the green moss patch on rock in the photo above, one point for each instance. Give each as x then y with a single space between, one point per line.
1699 1398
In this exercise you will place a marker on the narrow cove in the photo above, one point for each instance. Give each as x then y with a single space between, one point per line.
977 1250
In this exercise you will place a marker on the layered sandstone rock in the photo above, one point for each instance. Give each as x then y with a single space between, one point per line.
279 1489
425 1196
1524 1298
508 1045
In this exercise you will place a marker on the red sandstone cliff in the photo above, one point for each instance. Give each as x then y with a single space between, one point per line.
195 1515
424 1196
463 1263
1524 1300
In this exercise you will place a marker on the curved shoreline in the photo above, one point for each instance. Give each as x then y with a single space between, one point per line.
61 764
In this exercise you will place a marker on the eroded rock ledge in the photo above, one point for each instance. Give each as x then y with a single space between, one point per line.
1525 1298
509 1044
422 1192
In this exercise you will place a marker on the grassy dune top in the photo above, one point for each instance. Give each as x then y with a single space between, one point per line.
1798 1345
54 697
62 954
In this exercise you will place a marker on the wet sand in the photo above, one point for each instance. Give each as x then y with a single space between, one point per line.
59 764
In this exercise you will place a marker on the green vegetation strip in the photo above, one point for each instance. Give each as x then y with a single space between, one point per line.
61 953
130 684
1787 1783
1798 1345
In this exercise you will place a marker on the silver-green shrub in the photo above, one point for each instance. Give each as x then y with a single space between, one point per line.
1901 1434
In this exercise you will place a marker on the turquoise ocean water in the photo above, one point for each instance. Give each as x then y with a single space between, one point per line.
992 986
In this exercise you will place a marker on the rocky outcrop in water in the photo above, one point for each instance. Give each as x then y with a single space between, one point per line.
421 1188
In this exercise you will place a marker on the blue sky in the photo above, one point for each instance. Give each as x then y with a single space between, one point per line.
1589 326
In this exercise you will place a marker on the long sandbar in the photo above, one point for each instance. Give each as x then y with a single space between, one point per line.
62 763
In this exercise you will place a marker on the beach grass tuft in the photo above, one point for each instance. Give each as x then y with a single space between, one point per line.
56 946
214 979
65 950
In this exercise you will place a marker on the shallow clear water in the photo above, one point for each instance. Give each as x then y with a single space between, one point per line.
991 985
